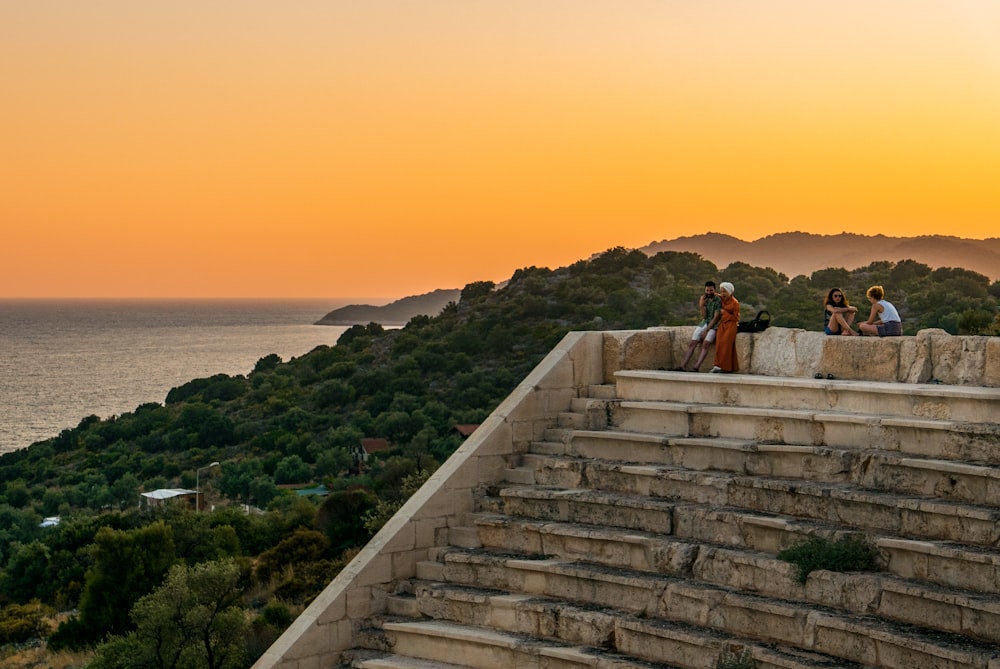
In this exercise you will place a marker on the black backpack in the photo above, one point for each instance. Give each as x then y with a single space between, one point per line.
760 322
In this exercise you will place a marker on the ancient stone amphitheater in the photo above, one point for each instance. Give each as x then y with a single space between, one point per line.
613 515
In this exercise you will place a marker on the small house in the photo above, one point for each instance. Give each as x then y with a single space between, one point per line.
160 498
368 446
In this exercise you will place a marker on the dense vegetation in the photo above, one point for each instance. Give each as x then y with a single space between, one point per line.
117 574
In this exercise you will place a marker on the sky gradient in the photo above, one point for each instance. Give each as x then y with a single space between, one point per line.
242 148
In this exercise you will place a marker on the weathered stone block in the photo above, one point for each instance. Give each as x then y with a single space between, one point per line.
958 360
774 352
649 349
376 572
991 363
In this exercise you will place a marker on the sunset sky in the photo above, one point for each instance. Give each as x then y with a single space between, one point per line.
371 148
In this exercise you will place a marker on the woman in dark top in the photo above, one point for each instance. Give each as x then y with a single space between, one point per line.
838 315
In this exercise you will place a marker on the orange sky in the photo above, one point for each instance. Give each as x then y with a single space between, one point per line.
324 148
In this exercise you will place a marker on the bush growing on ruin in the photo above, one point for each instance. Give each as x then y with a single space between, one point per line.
852 552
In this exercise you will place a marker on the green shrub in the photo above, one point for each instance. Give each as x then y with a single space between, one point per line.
21 622
848 553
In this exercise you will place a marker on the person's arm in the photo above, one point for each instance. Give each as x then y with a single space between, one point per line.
701 306
873 316
716 317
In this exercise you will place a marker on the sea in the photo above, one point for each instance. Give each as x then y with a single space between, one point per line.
64 360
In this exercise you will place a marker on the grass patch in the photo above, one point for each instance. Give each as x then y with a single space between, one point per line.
13 657
852 552
731 660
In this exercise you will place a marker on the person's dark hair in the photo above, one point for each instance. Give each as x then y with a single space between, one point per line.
830 300
709 283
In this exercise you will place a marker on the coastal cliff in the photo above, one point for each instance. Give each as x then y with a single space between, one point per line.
394 313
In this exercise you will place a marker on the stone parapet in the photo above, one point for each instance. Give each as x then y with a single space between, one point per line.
930 356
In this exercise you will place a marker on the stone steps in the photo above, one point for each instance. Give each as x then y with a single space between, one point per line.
946 439
739 568
913 400
903 515
444 643
731 613
935 562
685 645
642 530
378 660
870 468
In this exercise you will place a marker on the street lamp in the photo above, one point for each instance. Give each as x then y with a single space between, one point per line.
197 485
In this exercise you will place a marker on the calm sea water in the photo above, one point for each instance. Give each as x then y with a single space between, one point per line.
63 360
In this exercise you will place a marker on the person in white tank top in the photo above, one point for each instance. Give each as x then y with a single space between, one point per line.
884 320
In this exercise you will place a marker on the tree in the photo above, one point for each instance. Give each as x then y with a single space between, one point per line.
191 621
26 575
125 491
127 565
301 546
341 517
477 289
17 494
292 470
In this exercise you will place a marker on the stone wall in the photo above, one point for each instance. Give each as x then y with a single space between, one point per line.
931 356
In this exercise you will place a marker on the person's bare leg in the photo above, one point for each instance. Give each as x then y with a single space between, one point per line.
687 356
845 327
704 354
849 321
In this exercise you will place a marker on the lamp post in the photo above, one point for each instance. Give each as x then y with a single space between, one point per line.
197 485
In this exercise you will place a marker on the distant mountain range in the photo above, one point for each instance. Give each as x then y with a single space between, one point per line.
791 253
795 253
394 313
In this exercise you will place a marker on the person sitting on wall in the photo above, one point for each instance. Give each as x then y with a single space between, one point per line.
884 320
838 314
710 306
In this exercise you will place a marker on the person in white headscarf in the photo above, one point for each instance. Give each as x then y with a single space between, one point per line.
725 337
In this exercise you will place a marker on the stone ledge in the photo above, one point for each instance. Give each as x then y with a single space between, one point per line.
930 355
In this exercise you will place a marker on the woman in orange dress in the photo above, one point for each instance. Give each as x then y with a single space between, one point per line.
725 337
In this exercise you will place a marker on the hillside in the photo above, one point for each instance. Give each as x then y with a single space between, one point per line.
247 441
395 313
798 253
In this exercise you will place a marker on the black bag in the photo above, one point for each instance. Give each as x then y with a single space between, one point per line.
759 323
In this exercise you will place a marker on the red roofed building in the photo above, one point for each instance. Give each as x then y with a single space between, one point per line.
465 429
369 446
